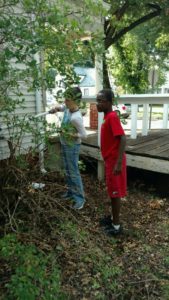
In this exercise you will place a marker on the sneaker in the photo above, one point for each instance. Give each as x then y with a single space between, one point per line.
106 221
79 205
112 231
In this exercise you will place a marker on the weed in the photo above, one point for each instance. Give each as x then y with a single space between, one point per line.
72 230
166 261
165 290
34 275
82 166
105 273
164 227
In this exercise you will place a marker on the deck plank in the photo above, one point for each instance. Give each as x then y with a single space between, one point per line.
150 145
153 134
149 152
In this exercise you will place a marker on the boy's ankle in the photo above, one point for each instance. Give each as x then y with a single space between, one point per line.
116 226
106 221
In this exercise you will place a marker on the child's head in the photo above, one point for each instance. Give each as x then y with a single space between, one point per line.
104 100
107 94
74 94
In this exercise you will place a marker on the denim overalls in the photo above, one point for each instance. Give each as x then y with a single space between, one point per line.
70 156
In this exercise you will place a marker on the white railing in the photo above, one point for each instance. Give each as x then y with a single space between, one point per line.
145 100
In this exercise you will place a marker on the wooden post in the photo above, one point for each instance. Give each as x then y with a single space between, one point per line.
99 86
38 103
165 115
145 119
134 109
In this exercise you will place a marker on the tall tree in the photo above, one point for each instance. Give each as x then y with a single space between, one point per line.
125 15
133 56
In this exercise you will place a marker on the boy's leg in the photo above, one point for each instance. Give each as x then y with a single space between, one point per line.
115 218
75 176
115 229
107 219
116 186
65 158
116 204
107 207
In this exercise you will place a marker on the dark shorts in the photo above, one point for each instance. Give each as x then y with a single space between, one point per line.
116 184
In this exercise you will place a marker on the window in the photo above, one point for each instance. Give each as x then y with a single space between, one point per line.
86 92
166 90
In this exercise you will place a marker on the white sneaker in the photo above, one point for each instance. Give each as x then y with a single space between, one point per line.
79 205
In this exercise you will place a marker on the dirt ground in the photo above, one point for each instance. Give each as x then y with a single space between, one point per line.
94 266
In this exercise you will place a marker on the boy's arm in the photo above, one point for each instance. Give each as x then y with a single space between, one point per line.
78 124
118 168
57 108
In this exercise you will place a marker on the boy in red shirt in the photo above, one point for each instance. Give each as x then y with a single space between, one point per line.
113 141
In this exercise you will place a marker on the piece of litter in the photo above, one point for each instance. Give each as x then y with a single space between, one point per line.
37 186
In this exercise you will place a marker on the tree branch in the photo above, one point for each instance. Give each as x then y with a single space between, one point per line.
5 4
154 6
119 13
109 41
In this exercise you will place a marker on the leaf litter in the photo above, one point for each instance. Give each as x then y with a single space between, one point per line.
93 265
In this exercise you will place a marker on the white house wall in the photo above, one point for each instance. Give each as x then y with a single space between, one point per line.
30 109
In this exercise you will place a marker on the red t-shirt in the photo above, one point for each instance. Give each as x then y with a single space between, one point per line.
111 129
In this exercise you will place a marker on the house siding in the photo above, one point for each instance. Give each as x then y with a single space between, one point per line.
30 109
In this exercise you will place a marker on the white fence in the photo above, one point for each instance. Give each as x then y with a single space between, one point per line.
145 100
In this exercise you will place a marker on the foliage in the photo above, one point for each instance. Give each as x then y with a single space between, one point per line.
125 17
67 132
31 28
129 64
19 127
40 39
132 57
82 166
33 273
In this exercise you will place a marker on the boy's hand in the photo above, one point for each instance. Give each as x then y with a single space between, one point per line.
53 110
118 168
73 135
68 134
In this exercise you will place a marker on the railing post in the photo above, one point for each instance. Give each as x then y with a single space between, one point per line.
134 109
100 121
145 119
99 86
165 116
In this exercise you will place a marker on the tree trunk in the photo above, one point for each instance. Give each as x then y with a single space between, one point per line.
106 81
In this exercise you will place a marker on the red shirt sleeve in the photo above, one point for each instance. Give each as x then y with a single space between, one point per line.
115 124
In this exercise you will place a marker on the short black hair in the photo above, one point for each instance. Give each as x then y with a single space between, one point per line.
73 93
107 94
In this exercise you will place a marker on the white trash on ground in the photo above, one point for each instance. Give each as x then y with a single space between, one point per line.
37 186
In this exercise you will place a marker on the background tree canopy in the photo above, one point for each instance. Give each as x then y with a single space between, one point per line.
51 29
55 29
138 32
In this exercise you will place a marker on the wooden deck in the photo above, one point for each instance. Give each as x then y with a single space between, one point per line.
149 152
